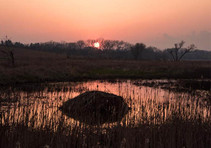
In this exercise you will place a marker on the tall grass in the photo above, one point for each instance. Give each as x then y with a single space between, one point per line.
158 119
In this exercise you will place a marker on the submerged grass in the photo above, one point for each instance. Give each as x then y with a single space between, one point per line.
182 121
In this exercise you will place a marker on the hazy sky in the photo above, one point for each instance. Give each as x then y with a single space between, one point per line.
158 23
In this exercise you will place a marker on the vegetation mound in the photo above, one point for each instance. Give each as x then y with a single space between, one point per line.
95 107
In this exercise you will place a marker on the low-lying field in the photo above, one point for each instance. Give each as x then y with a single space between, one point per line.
37 66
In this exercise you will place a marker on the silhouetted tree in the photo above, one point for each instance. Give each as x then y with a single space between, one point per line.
178 51
137 50
6 48
90 43
81 44
107 44
110 49
19 45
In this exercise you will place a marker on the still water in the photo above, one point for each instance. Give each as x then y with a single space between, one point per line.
38 108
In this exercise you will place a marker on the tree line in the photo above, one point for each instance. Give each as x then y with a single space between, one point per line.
109 49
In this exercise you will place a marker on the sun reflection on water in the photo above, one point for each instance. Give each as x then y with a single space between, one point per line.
39 109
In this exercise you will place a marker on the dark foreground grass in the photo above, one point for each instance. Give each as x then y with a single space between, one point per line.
36 66
175 133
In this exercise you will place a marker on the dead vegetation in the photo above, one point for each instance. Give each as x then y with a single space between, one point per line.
37 66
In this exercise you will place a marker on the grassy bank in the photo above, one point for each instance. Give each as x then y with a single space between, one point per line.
36 66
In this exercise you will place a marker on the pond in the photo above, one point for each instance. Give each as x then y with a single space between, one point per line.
156 112
40 108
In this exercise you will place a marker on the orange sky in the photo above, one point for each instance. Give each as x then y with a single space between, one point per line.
154 22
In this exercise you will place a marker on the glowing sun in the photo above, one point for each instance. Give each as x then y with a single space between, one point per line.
97 45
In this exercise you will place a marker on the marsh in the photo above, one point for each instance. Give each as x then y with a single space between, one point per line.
155 113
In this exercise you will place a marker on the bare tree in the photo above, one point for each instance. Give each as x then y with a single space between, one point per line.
178 52
107 44
81 44
7 51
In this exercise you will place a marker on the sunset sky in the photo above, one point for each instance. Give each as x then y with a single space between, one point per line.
158 23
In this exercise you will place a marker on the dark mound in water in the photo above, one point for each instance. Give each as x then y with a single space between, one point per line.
96 107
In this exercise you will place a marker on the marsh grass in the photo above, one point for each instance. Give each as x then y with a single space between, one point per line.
173 133
158 119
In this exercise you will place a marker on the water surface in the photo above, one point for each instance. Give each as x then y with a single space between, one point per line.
39 108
